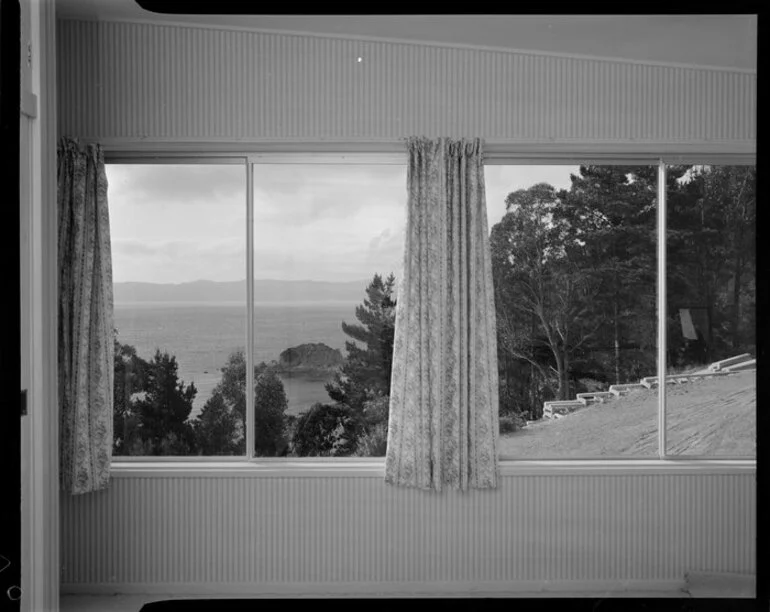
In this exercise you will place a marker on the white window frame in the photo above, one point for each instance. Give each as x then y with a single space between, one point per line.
394 154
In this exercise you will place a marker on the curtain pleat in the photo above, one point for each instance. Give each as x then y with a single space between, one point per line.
86 330
443 424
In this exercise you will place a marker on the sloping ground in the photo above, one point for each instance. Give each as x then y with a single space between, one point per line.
714 417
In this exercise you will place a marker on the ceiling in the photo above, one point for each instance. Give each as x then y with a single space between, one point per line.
728 41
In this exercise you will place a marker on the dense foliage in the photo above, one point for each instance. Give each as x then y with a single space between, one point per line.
368 364
270 405
575 275
326 430
152 409
152 405
360 388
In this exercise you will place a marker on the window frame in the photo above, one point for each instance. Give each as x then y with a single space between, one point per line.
394 154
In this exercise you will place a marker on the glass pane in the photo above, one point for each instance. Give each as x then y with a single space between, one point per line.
574 266
711 281
179 257
328 244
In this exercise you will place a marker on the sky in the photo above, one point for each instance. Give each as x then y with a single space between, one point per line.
330 222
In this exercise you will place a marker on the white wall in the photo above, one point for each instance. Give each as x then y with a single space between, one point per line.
127 81
246 532
729 41
316 533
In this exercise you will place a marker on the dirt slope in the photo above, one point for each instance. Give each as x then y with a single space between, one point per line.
714 417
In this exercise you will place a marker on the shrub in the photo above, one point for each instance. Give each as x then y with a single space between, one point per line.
511 423
376 410
326 430
373 443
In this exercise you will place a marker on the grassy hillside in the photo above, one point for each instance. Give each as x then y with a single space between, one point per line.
714 417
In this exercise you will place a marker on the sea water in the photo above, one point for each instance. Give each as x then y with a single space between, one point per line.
201 335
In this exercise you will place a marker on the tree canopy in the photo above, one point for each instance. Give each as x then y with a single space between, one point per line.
367 368
575 274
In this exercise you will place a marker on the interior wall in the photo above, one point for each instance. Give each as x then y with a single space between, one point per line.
128 83
727 41
317 534
138 81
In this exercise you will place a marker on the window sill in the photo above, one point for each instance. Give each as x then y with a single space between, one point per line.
375 467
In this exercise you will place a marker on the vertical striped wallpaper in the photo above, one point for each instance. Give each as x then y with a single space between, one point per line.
131 80
222 531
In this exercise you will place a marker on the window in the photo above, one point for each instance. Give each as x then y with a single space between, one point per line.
324 248
328 244
576 265
711 295
179 262
574 268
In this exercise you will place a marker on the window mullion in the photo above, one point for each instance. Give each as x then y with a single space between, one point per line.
662 211
249 310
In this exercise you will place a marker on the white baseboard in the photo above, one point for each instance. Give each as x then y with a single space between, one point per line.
530 588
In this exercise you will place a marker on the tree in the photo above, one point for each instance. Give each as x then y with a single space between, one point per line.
542 294
216 428
163 411
221 426
712 254
733 190
609 216
326 430
270 406
232 389
372 428
367 369
129 381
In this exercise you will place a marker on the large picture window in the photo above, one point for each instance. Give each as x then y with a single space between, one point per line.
327 247
575 257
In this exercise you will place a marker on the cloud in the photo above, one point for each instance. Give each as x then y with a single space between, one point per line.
375 242
317 222
176 261
386 251
501 180
133 248
150 184
304 194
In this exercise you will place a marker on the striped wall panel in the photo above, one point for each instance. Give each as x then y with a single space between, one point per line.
131 80
221 531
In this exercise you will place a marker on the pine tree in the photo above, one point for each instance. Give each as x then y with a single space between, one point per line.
368 365
712 252
610 216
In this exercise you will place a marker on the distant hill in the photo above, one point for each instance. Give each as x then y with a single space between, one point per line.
264 291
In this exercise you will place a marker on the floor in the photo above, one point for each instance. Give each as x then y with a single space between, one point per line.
698 585
133 603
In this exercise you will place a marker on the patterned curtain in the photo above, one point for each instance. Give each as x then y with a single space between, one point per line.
443 425
86 338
